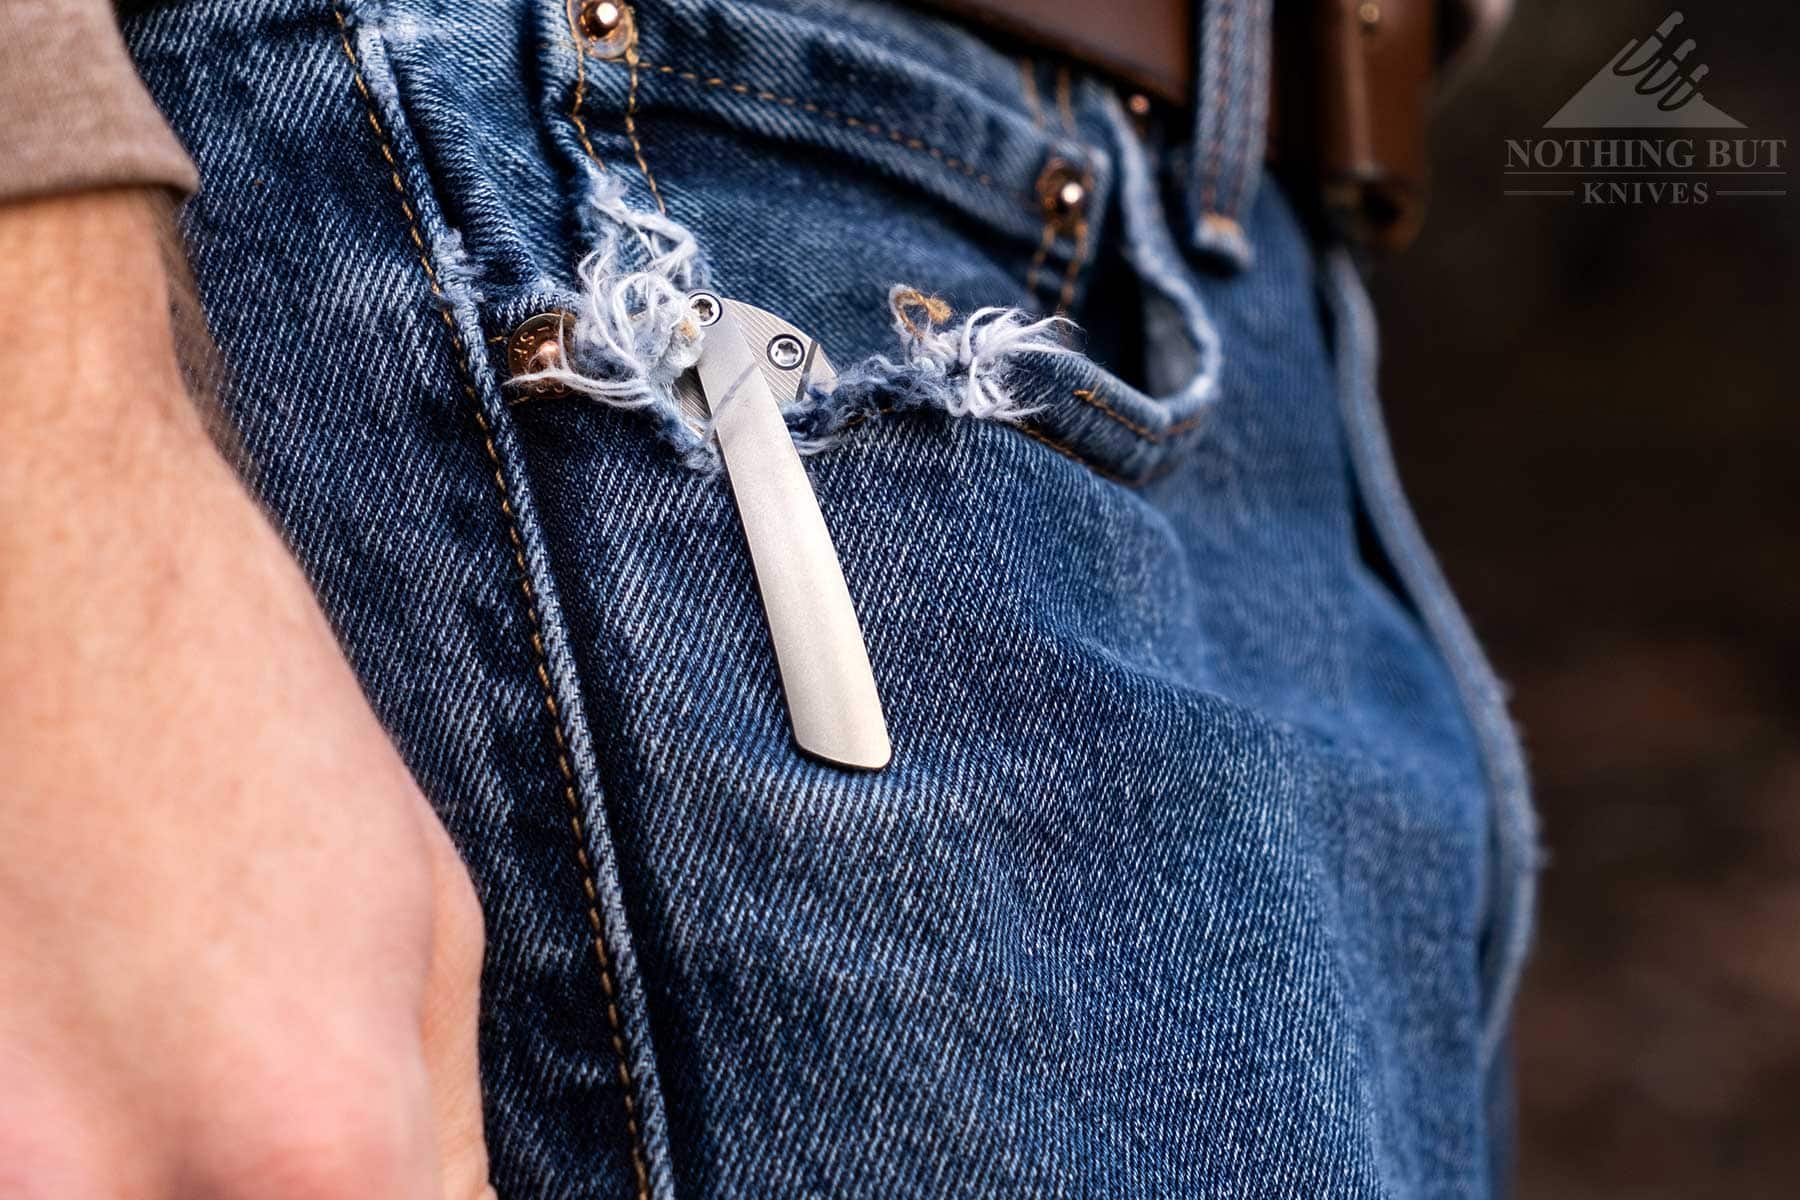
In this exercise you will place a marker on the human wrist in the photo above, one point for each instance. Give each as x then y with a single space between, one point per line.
84 312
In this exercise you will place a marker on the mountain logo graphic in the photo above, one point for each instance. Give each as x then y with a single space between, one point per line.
1645 86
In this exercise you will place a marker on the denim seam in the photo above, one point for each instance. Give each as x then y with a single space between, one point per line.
1079 252
1231 108
631 130
580 87
1513 832
1061 448
1068 452
578 828
1052 226
1043 252
1089 397
1065 108
1078 256
872 128
1028 83
461 365
1027 74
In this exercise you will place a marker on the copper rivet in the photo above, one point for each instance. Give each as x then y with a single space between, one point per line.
1139 104
600 19
537 345
1369 13
1062 191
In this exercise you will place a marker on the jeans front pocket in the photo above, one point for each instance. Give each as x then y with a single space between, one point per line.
825 160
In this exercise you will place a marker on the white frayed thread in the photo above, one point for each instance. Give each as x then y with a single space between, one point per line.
961 369
975 356
632 334
456 273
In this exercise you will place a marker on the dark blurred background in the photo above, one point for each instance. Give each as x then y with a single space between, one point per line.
1596 414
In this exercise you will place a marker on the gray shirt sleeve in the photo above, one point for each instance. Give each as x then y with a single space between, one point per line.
73 113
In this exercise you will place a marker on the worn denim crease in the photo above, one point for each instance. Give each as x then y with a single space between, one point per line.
631 107
603 959
580 96
1512 900
1082 228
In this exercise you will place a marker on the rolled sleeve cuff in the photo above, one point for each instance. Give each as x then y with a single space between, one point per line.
73 113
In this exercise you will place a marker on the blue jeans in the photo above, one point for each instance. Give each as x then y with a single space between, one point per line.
1203 863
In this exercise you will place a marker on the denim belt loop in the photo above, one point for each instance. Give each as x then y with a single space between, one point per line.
1230 119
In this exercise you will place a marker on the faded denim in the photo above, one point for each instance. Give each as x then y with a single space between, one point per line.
1203 865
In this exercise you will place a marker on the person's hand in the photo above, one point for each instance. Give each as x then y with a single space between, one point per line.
238 954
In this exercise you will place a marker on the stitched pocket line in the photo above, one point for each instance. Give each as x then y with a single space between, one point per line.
1053 227
581 130
1066 114
1063 448
1027 74
1089 397
1078 257
631 103
874 129
541 657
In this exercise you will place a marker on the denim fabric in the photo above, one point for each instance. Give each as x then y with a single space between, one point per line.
1231 96
1202 866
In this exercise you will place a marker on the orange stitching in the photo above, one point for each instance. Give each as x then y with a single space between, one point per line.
461 363
874 129
1043 252
1087 396
576 826
1079 258
1067 295
1028 75
637 147
1063 107
1070 453
1061 448
580 86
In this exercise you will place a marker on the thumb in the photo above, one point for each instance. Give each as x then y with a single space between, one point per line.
449 1020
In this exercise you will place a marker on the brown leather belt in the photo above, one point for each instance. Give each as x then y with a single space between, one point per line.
1352 86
